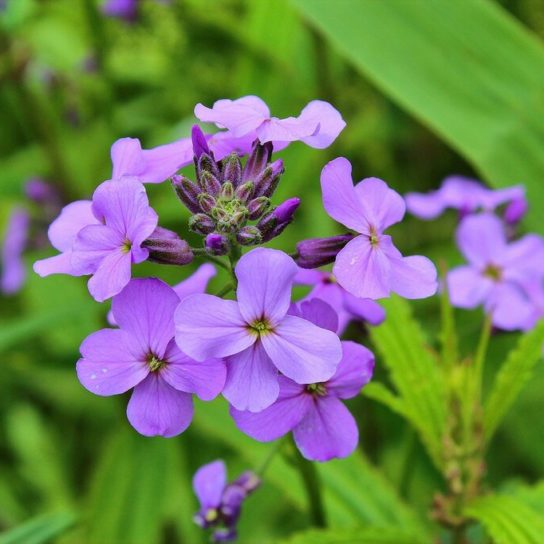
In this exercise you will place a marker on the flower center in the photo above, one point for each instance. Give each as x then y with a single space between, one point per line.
260 327
127 246
317 389
373 236
493 272
211 515
154 362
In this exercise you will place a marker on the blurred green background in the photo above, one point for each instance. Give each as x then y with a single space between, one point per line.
427 88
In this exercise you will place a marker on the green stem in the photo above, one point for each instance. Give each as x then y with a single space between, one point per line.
261 469
202 254
448 336
310 478
479 359
226 289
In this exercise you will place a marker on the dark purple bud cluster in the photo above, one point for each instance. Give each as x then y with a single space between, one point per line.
227 196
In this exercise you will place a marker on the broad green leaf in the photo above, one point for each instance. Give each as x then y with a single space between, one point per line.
507 520
379 392
414 373
513 375
40 530
364 535
466 69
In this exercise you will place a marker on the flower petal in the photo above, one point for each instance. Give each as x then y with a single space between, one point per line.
111 277
318 312
339 197
196 282
92 245
252 380
381 206
265 277
425 206
364 270
208 326
467 287
413 277
279 418
302 351
206 379
364 309
157 409
510 307
126 158
145 309
73 217
164 161
109 364
289 129
524 258
209 483
330 123
327 431
354 371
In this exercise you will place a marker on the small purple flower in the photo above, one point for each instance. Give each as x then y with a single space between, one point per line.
12 266
143 355
106 243
318 124
323 428
346 306
370 266
122 9
221 503
466 195
496 271
255 334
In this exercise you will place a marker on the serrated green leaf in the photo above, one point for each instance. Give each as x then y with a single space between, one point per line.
364 535
379 392
507 520
414 373
414 52
513 375
40 530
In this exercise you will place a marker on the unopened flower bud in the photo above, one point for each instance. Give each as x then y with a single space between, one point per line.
227 191
200 145
232 169
515 210
207 202
216 244
245 191
257 160
248 481
201 224
317 252
206 163
273 223
187 192
238 219
249 236
210 183
257 207
267 182
285 212
166 247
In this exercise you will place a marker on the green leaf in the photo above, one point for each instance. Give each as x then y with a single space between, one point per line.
513 375
415 51
366 535
507 520
40 530
380 393
414 373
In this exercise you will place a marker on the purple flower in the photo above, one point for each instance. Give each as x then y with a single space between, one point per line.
370 266
103 238
322 426
318 124
143 355
467 196
122 9
255 334
149 165
346 306
221 503
12 267
496 271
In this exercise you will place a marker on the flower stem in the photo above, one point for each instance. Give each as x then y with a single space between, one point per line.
261 469
479 359
310 478
226 289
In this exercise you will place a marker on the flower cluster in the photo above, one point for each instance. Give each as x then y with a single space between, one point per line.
280 364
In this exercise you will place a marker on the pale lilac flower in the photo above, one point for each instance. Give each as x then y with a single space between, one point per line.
143 355
318 124
105 242
347 307
496 272
122 9
370 266
221 503
12 266
322 427
255 334
467 196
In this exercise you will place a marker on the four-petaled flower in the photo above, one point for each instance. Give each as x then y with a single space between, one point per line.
322 427
255 334
370 266
497 271
143 355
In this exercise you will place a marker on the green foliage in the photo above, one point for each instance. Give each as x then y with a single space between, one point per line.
512 376
363 535
493 121
507 520
40 530
414 372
